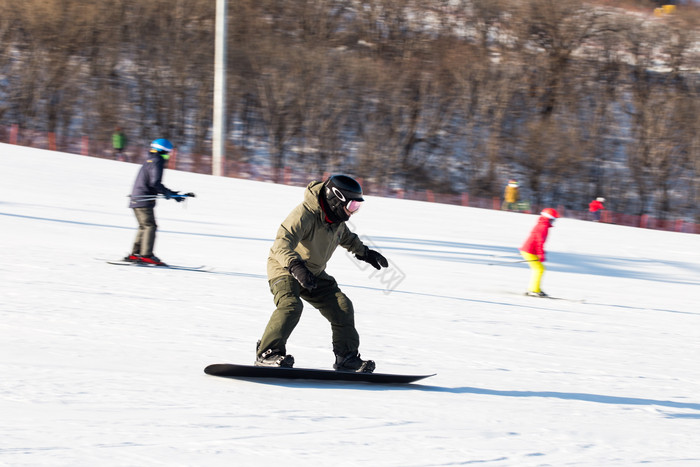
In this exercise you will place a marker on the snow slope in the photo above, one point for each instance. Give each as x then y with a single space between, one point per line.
102 364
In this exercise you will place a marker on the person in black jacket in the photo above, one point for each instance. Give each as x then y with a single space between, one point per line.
147 187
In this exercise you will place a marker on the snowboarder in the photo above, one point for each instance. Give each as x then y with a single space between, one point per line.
533 250
596 207
296 267
147 186
511 196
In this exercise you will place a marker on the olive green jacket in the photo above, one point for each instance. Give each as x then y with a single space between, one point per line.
305 234
118 140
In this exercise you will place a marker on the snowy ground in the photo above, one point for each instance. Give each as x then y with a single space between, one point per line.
102 365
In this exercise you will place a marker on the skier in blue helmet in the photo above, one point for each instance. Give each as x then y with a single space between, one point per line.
147 187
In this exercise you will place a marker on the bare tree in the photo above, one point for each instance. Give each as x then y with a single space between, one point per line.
447 95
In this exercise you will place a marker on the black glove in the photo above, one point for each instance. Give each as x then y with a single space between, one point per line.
176 196
189 195
374 258
302 274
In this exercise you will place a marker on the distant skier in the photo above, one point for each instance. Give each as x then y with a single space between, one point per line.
296 267
147 187
511 196
119 144
533 250
596 207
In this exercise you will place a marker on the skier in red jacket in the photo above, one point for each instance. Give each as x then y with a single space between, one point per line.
533 250
595 207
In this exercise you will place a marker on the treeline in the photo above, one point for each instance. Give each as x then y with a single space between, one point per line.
574 99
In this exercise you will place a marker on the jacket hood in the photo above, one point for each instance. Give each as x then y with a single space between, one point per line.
313 199
311 194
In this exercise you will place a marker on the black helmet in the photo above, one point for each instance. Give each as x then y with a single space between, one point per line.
339 191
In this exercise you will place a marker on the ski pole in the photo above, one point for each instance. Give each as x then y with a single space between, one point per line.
158 196
144 198
513 262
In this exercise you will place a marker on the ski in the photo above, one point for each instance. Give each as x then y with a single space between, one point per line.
556 298
229 370
157 266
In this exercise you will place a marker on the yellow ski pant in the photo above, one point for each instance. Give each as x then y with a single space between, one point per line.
537 271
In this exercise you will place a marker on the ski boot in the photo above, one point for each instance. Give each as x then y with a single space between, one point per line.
529 293
153 259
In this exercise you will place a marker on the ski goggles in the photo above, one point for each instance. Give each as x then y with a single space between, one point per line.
353 206
165 155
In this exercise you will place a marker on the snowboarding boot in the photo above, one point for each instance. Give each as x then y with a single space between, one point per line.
353 363
273 357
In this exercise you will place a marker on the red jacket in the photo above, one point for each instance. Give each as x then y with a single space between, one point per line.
595 205
535 242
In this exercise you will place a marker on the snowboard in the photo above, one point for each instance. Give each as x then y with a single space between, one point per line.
230 370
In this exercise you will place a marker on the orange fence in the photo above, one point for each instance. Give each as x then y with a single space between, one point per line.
263 171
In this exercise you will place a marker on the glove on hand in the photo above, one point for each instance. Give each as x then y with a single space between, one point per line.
374 258
189 195
302 274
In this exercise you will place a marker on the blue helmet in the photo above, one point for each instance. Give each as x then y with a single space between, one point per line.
162 145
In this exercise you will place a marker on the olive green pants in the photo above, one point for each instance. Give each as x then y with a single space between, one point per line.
327 298
146 235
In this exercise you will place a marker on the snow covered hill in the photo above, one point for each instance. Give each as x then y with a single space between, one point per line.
103 365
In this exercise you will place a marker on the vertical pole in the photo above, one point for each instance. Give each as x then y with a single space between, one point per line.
173 159
14 133
219 119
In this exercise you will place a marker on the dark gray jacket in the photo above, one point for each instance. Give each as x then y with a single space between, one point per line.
148 183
